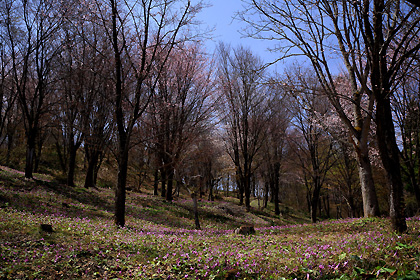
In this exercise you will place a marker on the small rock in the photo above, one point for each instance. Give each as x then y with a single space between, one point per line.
231 274
245 230
47 228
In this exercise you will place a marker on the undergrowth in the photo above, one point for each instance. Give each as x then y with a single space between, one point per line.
160 242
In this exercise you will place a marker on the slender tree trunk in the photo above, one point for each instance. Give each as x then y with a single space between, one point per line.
120 192
416 189
196 219
61 159
163 181
247 190
10 139
239 183
276 188
30 153
97 166
315 202
170 184
156 182
38 154
211 196
308 200
266 191
123 132
327 205
72 163
351 207
413 181
276 198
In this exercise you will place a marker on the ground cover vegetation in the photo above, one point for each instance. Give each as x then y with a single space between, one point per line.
160 240
120 129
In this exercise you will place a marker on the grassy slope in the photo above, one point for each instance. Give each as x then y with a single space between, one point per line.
159 240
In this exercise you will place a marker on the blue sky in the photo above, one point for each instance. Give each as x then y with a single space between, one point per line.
220 16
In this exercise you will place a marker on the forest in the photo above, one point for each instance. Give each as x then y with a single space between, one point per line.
110 108
131 86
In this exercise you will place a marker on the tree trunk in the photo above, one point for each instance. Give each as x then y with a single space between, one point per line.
156 182
266 191
210 186
30 154
389 152
38 154
385 131
276 188
123 132
327 205
97 166
314 202
351 207
239 183
163 182
369 197
247 190
196 220
276 198
416 189
120 192
170 184
413 181
72 163
10 139
93 159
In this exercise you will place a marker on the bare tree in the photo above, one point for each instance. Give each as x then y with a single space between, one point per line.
243 111
283 22
7 90
314 144
33 48
406 105
84 94
180 108
373 39
344 179
275 143
414 2
139 33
